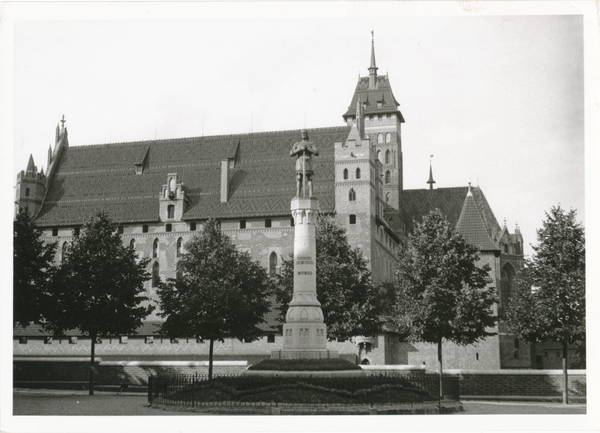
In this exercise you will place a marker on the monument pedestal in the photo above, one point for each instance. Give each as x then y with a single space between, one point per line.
304 333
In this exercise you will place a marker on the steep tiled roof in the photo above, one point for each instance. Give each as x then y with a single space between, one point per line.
262 183
419 202
472 226
382 93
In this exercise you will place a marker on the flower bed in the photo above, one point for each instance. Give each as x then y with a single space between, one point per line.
333 364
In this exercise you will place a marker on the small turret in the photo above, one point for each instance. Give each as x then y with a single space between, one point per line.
30 188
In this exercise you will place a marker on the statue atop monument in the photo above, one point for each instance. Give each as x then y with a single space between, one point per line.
304 151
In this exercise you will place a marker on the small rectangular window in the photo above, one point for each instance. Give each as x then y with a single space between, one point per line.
55 231
168 227
271 338
243 224
72 340
76 230
145 228
149 339
193 227
120 230
174 340
47 340
352 219
268 222
23 340
98 340
199 340
292 221
123 339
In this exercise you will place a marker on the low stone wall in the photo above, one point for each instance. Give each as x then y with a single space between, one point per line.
502 383
47 370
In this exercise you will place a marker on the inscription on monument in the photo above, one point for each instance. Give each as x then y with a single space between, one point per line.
304 262
304 272
304 258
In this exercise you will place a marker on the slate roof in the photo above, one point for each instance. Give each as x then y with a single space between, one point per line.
89 178
419 202
382 93
472 226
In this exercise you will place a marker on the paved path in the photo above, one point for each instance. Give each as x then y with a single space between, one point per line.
52 402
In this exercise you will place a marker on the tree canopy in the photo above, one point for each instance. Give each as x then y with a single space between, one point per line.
99 286
442 293
349 301
218 293
548 303
33 266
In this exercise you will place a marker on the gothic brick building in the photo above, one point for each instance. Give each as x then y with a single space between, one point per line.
161 191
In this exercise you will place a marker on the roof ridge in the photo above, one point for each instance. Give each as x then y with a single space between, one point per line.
163 140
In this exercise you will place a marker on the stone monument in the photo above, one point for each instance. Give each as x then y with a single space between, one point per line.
304 333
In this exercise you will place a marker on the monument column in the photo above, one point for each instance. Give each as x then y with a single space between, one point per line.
304 332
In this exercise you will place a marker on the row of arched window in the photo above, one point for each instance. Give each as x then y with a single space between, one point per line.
385 158
356 174
388 138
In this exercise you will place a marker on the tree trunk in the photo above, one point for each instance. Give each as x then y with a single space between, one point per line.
92 366
210 359
565 375
441 370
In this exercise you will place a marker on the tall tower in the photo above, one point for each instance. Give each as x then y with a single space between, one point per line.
368 173
382 121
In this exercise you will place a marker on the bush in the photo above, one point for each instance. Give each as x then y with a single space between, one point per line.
333 364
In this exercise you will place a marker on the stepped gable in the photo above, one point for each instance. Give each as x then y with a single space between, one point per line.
89 178
419 202
370 97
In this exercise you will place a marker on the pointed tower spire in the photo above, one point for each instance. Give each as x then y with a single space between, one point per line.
30 167
430 181
373 68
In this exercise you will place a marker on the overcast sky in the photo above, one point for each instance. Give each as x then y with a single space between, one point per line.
498 100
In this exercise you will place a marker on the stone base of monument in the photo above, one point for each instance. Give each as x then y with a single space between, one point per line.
304 354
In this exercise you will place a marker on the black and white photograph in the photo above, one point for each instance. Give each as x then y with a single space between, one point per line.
260 212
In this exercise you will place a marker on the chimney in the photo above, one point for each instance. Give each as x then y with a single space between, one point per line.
224 180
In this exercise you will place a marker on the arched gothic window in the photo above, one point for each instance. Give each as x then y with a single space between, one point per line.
272 263
387 156
345 173
132 244
171 211
155 249
379 138
379 155
388 177
388 137
172 185
387 197
27 192
352 195
358 172
179 246
155 274
506 284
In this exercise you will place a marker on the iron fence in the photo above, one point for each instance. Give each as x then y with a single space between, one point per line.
233 390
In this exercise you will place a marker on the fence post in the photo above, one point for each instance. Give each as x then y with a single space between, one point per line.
150 389
194 391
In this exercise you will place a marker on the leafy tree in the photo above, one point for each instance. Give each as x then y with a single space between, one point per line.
219 292
549 299
99 286
32 270
349 301
441 293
